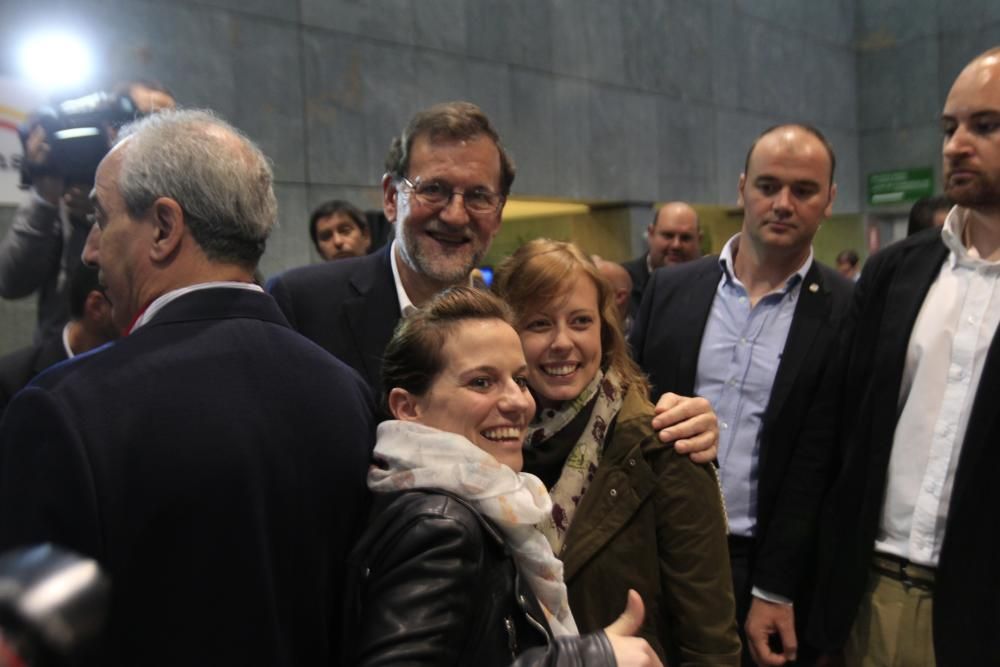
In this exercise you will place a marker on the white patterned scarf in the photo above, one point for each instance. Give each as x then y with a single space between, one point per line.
414 456
581 464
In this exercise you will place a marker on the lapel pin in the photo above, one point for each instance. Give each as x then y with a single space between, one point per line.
813 287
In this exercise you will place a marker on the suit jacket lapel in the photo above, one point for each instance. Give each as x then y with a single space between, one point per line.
904 298
688 322
373 313
811 312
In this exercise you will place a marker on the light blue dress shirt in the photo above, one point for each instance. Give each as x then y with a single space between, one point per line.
737 363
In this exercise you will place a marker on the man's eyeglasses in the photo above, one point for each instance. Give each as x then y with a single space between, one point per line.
438 194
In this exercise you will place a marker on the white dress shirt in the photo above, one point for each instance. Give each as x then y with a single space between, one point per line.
945 357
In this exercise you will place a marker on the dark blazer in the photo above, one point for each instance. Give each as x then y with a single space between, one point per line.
18 367
214 463
887 301
433 582
638 269
797 433
348 307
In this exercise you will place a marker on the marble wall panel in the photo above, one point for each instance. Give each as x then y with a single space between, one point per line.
518 32
533 137
587 39
289 244
669 48
887 23
759 71
956 51
623 132
377 20
734 132
898 86
686 152
361 94
578 153
967 16
275 9
850 188
830 84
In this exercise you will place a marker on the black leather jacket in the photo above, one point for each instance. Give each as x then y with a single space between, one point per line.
432 583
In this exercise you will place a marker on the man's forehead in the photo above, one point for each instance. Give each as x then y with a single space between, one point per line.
430 142
108 169
790 152
976 89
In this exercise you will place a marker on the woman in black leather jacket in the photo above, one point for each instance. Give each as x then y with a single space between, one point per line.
451 570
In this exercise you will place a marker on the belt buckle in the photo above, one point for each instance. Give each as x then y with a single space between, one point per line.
909 582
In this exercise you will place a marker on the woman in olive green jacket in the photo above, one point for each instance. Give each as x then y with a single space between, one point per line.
628 511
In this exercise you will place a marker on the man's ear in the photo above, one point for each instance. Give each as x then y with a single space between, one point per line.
739 188
169 227
403 405
389 196
95 305
828 211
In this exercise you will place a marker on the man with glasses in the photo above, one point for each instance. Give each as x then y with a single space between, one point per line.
447 178
446 181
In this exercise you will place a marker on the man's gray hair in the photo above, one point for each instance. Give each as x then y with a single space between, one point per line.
217 175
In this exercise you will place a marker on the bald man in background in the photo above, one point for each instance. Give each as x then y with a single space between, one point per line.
674 237
621 283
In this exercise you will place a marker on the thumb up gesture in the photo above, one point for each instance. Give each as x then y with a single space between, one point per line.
631 651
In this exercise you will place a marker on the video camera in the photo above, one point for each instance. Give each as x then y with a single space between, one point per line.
53 605
79 132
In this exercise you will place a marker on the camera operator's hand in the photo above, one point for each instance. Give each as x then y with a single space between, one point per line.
78 205
37 150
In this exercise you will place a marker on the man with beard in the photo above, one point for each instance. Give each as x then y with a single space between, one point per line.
447 179
910 540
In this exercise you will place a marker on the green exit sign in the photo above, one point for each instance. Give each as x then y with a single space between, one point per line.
902 185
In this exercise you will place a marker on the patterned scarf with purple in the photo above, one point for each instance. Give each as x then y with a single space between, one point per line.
581 464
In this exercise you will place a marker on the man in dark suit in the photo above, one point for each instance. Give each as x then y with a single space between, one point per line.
754 331
674 237
910 540
213 461
90 326
447 181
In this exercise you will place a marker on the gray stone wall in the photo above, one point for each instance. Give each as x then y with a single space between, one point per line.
909 53
642 100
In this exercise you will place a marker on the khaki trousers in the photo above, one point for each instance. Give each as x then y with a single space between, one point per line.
893 626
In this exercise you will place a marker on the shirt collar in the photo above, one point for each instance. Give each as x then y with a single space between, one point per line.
161 301
726 263
951 235
405 304
65 342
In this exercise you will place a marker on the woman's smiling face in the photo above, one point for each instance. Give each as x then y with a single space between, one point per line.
562 342
482 391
